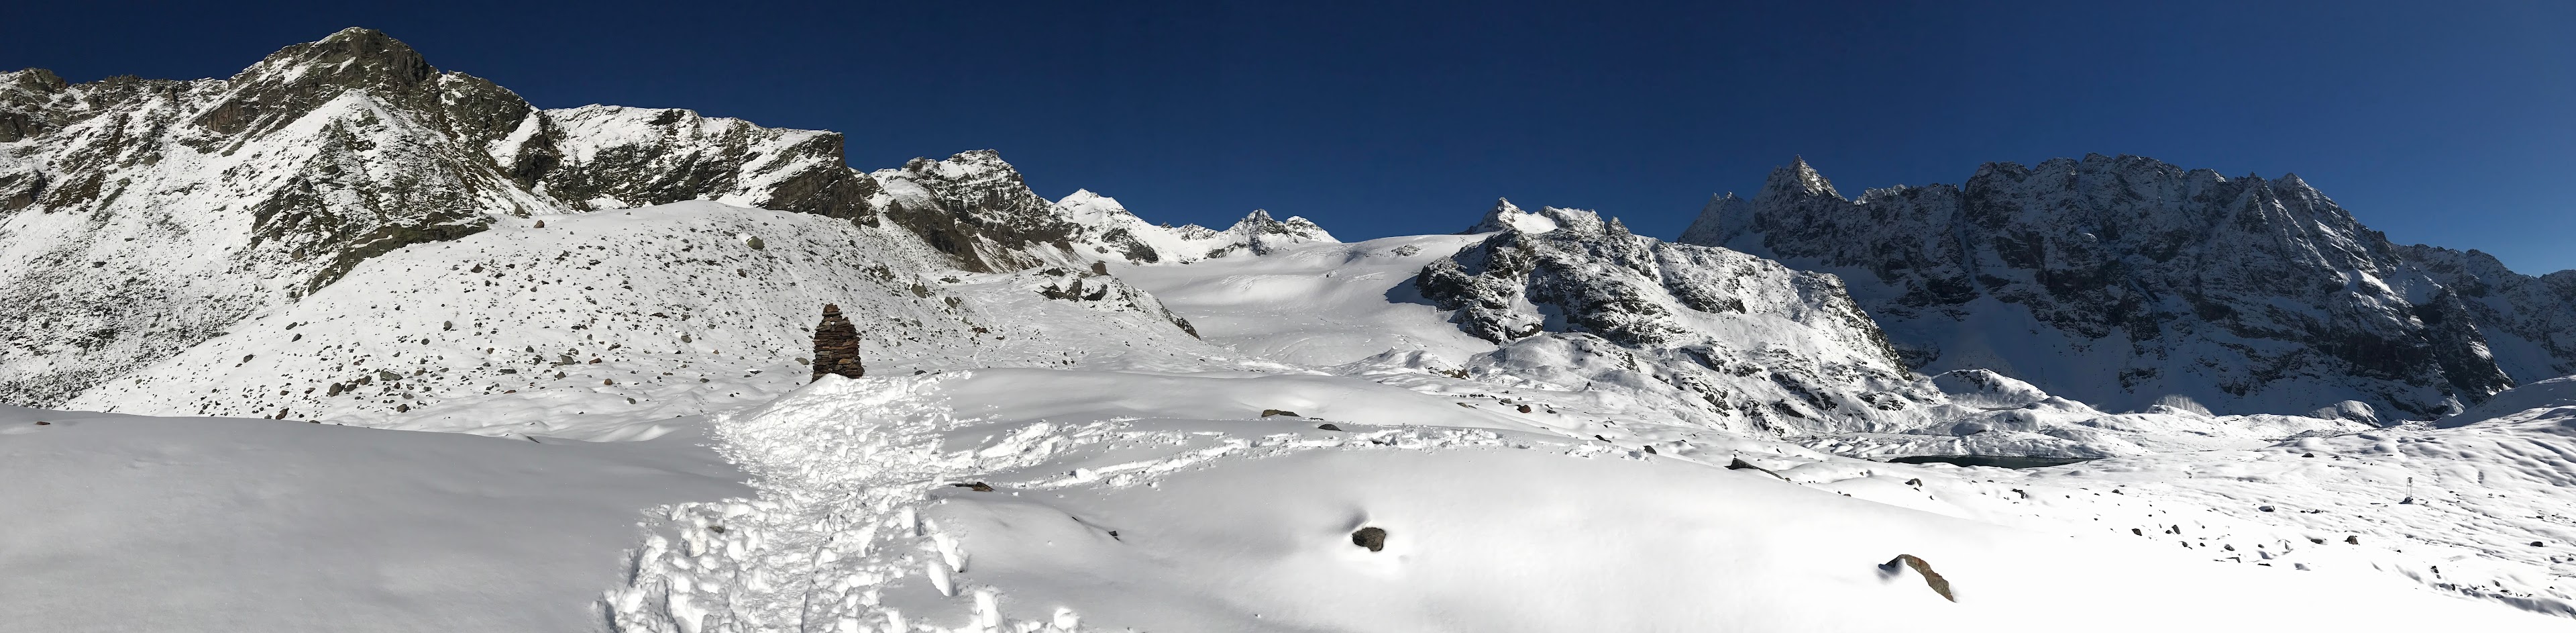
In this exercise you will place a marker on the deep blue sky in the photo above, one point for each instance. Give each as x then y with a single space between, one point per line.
2443 123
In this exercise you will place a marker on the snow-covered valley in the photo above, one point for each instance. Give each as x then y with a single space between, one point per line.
594 404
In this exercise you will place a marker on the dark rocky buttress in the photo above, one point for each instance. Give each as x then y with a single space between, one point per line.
2120 280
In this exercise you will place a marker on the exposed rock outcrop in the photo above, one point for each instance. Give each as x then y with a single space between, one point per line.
1100 291
1739 340
2122 280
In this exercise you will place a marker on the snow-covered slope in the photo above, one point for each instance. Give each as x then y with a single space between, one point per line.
150 215
139 218
1357 310
1319 304
982 501
599 322
128 523
2122 281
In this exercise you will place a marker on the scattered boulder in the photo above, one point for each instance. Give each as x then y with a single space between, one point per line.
1370 537
1328 427
975 486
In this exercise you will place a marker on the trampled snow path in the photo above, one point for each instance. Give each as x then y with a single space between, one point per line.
1106 511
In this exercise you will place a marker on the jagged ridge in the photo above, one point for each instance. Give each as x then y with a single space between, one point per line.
2143 280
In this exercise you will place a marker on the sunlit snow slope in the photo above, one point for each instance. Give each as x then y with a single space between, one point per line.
1004 500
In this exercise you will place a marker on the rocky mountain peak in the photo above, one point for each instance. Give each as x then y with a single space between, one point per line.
974 167
1262 234
1798 178
2144 279
1506 216
35 80
352 57
299 79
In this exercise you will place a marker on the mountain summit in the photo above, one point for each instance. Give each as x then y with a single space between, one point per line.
2127 281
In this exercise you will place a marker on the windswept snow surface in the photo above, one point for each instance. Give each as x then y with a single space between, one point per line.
131 523
1006 501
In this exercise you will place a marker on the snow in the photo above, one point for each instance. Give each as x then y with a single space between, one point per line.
1317 304
1551 483
124 523
439 336
568 409
1116 518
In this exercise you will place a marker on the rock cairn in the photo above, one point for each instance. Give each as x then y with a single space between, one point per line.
836 346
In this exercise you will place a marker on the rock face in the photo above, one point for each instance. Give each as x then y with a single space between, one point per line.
836 346
1509 217
2124 281
1100 292
2529 322
1743 341
141 217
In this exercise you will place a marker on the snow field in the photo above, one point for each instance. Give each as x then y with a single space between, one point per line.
127 523
972 501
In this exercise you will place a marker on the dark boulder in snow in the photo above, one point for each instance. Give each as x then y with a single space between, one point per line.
1370 537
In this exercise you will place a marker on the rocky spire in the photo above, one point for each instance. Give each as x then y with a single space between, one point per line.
1509 217
1798 179
836 346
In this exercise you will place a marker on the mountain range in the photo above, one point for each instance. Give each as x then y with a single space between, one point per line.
146 218
222 299
2126 281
